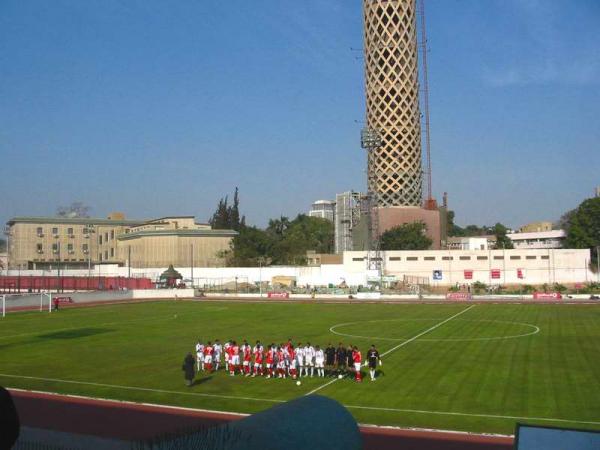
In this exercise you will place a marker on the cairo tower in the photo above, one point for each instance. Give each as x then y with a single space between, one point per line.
392 96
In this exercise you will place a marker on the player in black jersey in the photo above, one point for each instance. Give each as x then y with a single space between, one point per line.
350 360
329 358
340 359
372 359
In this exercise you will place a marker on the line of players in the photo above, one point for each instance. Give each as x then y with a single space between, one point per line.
285 360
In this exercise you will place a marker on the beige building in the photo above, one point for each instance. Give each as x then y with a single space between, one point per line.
46 242
535 227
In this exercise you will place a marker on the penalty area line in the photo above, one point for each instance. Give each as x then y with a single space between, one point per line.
402 344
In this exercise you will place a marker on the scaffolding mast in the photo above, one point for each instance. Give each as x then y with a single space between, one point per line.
426 101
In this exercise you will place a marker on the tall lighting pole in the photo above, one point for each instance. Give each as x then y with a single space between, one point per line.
58 267
598 262
371 140
192 263
90 230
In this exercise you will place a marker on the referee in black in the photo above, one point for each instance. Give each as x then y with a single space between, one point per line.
329 358
372 359
340 359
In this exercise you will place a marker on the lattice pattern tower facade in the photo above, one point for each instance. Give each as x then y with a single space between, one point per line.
392 93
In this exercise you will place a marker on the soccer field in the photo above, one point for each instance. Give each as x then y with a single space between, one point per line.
448 366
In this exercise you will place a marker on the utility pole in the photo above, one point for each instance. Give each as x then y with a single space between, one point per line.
192 263
598 262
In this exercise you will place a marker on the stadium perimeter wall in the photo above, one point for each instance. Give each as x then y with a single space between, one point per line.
436 267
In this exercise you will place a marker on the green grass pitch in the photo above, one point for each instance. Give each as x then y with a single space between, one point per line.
450 366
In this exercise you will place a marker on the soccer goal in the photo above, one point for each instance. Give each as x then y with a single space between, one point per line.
26 301
45 297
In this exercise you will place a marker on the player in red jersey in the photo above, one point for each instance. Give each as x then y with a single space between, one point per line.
292 362
270 360
258 354
247 355
357 359
280 363
208 357
234 358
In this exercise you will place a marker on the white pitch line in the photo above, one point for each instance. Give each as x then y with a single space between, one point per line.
487 416
428 330
134 388
413 411
402 344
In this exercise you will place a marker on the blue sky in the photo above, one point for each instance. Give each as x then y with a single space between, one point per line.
159 108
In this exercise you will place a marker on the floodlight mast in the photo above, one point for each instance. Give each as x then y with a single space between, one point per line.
371 140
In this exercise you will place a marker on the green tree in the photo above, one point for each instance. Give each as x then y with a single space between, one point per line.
75 209
453 229
410 236
583 227
228 217
249 247
475 230
292 239
502 240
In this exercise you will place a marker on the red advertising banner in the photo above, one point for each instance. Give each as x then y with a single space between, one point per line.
547 295
495 273
458 296
468 274
278 295
520 273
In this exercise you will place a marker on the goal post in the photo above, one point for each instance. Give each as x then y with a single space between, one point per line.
4 306
44 296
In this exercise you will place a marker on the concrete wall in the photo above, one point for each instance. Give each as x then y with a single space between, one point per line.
536 267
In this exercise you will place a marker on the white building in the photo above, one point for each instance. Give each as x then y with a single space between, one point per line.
468 243
538 240
324 209
447 267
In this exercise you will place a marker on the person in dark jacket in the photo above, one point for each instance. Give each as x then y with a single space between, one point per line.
189 369
9 420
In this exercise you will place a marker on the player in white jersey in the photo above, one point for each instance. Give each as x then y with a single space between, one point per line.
320 361
309 354
225 348
200 355
300 358
218 349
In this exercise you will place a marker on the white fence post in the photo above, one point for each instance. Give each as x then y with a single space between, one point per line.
4 306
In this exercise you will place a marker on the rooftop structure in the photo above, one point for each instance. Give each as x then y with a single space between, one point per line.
538 240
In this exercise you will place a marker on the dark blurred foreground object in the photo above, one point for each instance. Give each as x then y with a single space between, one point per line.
188 368
9 420
306 423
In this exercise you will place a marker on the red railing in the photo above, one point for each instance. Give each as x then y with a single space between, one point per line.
35 283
